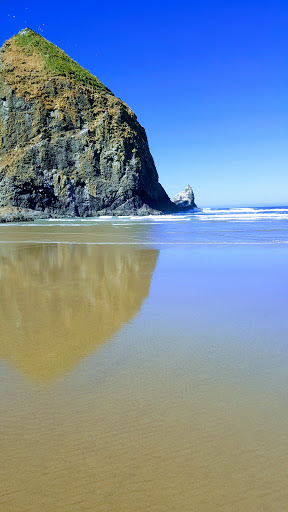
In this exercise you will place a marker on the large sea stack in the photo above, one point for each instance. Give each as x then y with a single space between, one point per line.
68 146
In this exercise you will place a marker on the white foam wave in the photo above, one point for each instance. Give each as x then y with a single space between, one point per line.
155 218
148 243
246 216
148 219
86 219
207 214
225 210
243 210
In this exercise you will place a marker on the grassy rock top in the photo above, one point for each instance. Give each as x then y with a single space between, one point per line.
45 58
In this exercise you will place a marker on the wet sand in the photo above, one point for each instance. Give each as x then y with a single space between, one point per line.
143 378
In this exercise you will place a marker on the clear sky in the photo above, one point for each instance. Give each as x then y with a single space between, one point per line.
207 79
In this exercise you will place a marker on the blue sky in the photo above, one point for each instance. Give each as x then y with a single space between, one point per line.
207 80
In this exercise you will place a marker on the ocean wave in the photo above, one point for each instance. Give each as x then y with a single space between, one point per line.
148 219
247 217
236 210
243 210
206 214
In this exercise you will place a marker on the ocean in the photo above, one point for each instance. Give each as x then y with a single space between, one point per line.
144 363
257 225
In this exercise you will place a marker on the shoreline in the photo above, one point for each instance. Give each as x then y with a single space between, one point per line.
17 214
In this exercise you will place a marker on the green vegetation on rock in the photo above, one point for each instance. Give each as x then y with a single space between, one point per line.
55 60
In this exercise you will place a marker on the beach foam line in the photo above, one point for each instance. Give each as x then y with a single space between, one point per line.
248 216
154 218
240 210
88 219
49 242
228 210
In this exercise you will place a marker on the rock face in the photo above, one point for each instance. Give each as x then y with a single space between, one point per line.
185 199
68 146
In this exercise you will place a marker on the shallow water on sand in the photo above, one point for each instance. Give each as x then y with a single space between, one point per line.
142 376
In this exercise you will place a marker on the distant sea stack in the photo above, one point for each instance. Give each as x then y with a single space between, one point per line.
185 199
68 146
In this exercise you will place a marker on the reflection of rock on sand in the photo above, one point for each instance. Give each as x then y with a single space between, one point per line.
60 302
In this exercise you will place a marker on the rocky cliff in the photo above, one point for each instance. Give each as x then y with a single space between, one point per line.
185 199
68 146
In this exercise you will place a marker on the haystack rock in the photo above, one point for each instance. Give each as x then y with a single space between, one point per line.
185 199
68 146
